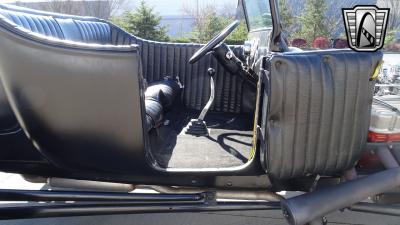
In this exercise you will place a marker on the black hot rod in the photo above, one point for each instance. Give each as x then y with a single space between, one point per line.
88 107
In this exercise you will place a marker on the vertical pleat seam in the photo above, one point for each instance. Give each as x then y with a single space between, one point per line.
307 146
186 94
233 94
296 115
145 54
176 61
321 112
37 26
239 96
355 116
342 148
164 61
79 29
93 32
192 87
31 24
151 62
157 60
226 87
332 118
24 22
283 92
45 28
171 61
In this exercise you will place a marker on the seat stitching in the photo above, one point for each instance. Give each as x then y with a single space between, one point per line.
45 27
57 26
80 30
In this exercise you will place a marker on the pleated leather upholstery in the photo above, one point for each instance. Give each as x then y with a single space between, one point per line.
94 32
319 110
45 25
159 59
173 60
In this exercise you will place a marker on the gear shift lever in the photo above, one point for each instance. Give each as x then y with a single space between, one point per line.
198 126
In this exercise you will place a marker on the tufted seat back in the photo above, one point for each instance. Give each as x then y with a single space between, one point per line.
86 31
45 25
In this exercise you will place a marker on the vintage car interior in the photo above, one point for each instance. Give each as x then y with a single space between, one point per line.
86 106
174 93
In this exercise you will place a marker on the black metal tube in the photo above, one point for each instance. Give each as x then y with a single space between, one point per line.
86 210
26 195
307 207
391 210
386 157
223 194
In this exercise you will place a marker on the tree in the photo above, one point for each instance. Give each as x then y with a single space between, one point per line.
287 17
394 17
62 6
211 26
97 8
393 27
143 22
313 21
334 20
209 21
103 9
238 36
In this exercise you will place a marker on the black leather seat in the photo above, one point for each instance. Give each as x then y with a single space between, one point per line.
94 32
159 96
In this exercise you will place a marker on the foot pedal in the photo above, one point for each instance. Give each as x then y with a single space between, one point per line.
197 127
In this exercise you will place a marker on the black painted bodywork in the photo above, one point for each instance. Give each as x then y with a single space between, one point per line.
111 146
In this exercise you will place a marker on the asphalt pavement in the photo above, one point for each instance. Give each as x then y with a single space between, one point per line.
219 218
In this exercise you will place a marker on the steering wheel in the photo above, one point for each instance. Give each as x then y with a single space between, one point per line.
214 42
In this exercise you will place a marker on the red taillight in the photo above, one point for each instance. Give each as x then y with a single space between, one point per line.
377 137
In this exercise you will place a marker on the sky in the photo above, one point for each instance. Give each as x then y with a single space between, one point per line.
164 7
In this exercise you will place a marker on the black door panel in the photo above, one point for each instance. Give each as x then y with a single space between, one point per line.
318 111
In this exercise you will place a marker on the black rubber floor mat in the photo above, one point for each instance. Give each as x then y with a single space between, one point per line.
228 145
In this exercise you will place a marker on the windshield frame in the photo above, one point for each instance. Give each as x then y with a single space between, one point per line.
246 15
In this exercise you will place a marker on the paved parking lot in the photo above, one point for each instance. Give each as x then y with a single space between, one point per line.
219 218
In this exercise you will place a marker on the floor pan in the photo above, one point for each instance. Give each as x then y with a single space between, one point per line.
228 145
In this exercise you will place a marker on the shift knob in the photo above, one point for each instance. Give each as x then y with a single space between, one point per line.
211 71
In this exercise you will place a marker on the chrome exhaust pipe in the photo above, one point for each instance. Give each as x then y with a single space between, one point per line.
308 207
